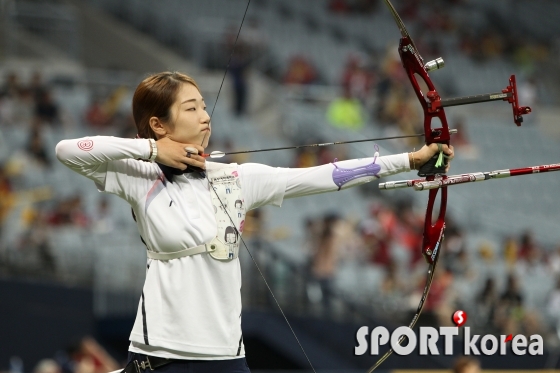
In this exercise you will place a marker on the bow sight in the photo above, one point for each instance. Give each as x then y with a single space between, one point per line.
508 94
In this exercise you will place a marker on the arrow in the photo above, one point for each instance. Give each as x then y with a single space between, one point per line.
220 154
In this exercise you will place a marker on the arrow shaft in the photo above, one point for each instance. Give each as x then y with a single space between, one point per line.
321 144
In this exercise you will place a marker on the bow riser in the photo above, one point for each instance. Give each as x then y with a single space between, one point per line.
414 66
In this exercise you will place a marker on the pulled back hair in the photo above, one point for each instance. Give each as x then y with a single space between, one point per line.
154 97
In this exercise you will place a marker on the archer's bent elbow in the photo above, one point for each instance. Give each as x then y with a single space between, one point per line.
61 151
66 153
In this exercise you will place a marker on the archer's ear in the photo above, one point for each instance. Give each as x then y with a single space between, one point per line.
157 126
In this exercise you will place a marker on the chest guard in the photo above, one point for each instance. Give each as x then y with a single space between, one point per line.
227 201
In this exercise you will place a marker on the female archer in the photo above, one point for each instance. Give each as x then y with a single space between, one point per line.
189 315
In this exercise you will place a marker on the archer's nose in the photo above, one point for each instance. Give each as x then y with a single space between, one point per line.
205 118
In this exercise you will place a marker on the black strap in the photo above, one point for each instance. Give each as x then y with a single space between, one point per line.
168 172
144 322
157 362
150 363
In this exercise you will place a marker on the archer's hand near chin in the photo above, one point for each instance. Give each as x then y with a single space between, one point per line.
427 152
173 154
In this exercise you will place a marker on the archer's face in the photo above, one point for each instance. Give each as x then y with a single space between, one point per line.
189 121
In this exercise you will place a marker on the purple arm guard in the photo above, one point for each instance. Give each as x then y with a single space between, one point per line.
342 176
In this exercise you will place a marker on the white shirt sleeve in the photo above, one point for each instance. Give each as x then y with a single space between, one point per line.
263 185
112 163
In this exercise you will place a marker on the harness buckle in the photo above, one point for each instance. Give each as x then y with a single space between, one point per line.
146 364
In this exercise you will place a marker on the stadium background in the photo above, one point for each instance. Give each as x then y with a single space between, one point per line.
71 261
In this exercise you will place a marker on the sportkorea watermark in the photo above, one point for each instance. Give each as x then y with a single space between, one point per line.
425 343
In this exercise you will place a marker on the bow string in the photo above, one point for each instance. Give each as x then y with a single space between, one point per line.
225 207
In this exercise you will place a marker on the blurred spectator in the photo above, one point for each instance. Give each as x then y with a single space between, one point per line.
346 112
440 301
461 139
553 303
103 221
314 156
103 113
325 258
511 251
354 7
409 230
95 114
509 309
69 211
35 241
88 356
325 155
454 237
512 295
392 284
300 71
47 366
530 255
7 196
461 266
36 147
486 302
238 70
357 79
12 85
16 365
486 252
339 6
375 243
36 85
46 109
305 157
491 44
554 262
466 364
528 96
16 102
255 37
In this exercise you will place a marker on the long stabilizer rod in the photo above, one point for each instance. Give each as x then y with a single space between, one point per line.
423 184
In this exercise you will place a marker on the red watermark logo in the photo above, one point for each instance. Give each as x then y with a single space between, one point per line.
459 318
425 341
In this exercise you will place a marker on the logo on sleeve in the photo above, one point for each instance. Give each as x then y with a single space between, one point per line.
85 145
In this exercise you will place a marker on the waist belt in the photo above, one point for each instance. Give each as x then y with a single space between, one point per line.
152 363
182 253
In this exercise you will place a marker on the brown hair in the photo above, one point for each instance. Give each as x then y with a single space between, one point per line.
154 97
